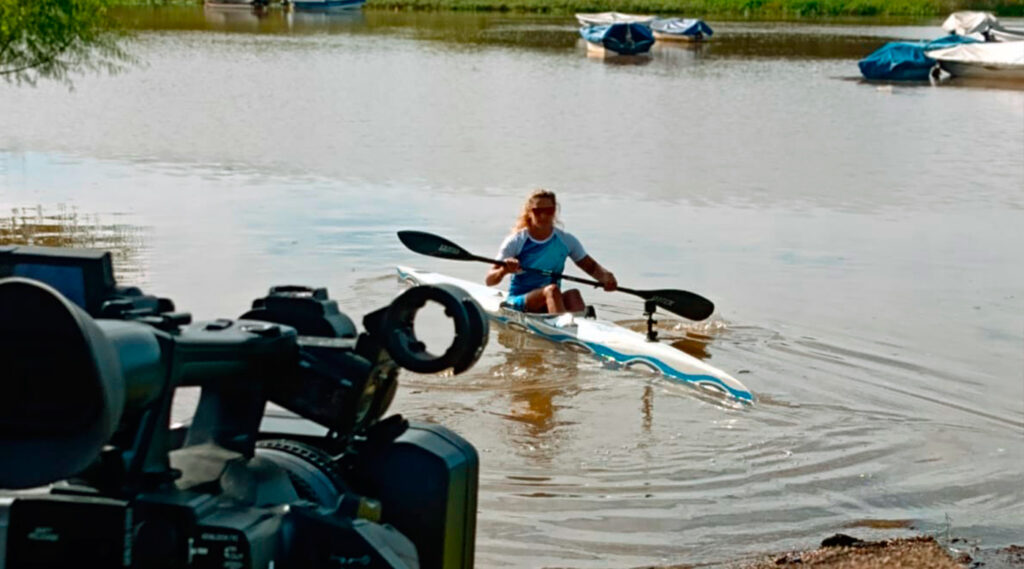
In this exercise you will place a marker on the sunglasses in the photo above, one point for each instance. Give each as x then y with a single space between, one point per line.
550 210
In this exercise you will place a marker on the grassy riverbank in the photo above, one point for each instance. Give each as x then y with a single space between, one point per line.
760 9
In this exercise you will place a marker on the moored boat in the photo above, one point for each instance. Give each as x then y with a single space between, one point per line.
606 18
326 4
981 25
623 38
989 60
680 29
605 339
906 61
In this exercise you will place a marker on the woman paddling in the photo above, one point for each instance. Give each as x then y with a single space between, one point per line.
535 243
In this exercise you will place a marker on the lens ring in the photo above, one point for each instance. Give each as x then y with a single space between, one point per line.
407 350
479 333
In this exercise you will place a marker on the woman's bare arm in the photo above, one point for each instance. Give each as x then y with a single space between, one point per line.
594 269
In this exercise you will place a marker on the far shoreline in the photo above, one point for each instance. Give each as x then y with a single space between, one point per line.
785 10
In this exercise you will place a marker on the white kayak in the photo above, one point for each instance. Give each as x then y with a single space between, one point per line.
602 338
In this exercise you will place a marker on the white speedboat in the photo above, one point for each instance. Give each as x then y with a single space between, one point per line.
989 60
605 339
980 25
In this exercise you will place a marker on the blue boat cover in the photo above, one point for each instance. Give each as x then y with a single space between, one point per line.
627 38
905 61
690 27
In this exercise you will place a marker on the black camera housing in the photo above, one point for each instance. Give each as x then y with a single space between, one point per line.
97 477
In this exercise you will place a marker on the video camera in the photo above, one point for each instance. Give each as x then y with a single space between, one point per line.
95 476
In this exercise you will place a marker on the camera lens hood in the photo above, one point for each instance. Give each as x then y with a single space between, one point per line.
471 329
62 389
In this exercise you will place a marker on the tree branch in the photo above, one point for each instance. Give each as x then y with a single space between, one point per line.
49 58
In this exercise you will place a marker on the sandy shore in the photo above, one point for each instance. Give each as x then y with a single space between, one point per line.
844 552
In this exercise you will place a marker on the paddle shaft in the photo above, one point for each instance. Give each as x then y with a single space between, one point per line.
551 274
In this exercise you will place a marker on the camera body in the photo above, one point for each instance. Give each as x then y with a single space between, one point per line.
92 474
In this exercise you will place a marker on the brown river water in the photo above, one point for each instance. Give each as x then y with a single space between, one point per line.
863 243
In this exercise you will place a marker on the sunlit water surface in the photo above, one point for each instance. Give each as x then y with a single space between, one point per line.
864 245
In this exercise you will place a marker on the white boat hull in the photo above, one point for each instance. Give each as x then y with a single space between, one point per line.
607 340
981 71
995 60
678 37
598 51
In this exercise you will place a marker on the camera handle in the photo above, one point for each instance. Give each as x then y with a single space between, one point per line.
232 361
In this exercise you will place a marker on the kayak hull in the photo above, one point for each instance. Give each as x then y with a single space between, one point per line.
602 338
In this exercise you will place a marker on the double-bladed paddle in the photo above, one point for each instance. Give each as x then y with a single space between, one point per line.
686 304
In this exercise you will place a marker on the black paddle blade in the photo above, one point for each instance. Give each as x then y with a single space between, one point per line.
686 304
433 245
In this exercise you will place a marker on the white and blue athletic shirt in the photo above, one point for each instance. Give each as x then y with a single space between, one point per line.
548 255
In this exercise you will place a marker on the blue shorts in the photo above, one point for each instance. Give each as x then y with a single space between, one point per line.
517 302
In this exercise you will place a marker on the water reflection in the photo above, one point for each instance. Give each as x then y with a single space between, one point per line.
538 374
236 19
64 226
782 43
647 408
247 19
325 20
682 53
453 28
693 344
525 31
891 87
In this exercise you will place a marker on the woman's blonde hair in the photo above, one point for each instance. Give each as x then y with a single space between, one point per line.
524 216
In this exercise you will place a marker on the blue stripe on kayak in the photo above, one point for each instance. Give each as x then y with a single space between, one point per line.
666 369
